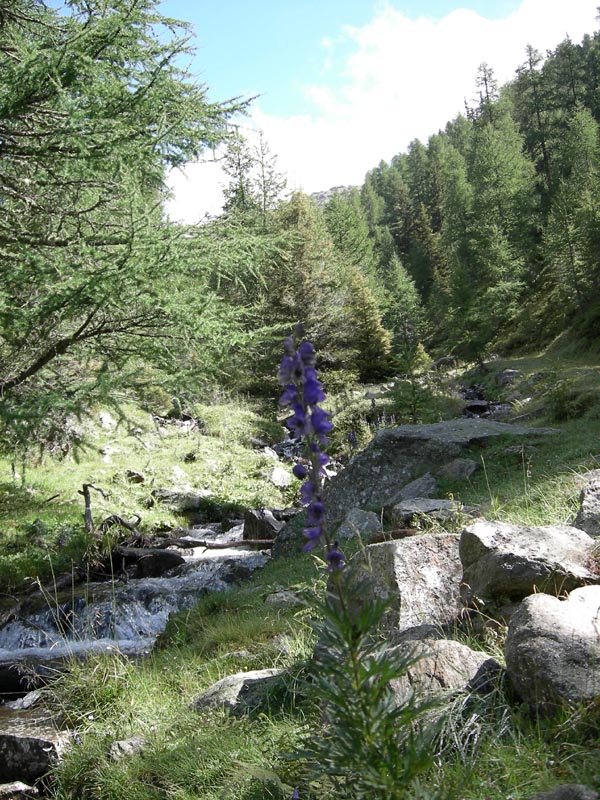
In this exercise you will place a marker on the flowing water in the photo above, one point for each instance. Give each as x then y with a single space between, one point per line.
127 617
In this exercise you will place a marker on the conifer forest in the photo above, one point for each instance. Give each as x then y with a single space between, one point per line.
169 391
483 238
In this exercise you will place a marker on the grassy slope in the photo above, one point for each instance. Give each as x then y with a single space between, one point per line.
216 756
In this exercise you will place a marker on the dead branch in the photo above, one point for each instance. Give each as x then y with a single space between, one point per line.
87 514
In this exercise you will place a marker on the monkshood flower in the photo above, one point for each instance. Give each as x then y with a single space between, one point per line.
302 393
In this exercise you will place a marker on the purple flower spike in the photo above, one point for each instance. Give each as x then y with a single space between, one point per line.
320 422
315 512
289 396
307 492
335 558
286 370
302 394
313 534
289 346
307 354
313 392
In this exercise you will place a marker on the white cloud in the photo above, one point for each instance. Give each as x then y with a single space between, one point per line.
403 79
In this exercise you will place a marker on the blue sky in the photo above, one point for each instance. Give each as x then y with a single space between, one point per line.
274 47
343 84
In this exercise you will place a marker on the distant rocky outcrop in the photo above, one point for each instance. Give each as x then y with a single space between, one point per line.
323 197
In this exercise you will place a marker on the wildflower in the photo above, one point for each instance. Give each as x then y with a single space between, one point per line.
302 393
300 471
335 558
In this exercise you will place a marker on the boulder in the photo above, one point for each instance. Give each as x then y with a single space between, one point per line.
107 421
144 562
503 562
425 486
280 477
284 598
376 476
358 523
242 692
507 377
29 748
181 500
423 510
568 791
441 666
460 469
23 703
588 516
131 476
419 577
552 649
260 523
476 408
17 791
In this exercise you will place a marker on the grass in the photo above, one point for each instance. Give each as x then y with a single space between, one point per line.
189 754
42 513
492 749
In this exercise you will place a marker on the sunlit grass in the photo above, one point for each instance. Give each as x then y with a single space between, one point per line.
492 749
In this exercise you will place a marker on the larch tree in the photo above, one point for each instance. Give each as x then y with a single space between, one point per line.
93 111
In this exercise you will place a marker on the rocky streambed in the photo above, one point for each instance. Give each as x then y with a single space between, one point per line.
44 630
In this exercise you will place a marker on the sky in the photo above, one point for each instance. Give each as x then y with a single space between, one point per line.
342 84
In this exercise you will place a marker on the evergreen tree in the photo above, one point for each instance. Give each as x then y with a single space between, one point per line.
570 236
93 110
532 103
269 183
368 338
349 230
238 164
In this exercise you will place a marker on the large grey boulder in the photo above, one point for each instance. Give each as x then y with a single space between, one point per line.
358 523
588 516
552 649
241 692
425 511
425 486
503 562
461 469
419 576
396 456
29 747
567 791
443 666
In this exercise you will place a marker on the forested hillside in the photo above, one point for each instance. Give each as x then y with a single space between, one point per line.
158 486
485 238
